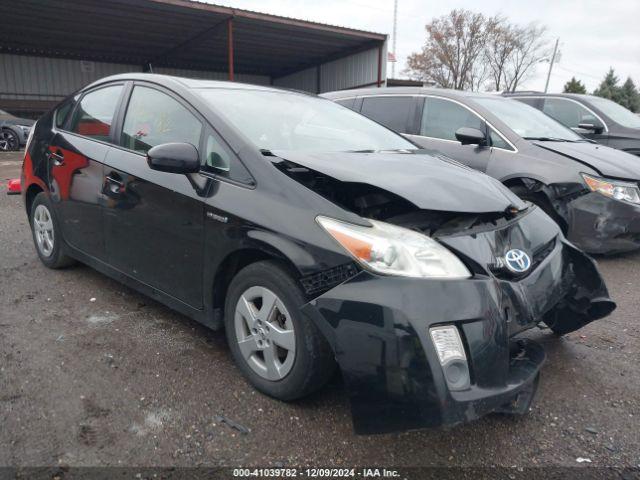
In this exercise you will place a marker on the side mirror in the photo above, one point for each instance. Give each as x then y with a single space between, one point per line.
591 127
471 136
174 158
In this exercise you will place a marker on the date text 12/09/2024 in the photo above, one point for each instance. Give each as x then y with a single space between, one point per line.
315 472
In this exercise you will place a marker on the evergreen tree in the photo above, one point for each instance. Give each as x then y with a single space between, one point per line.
609 87
630 96
574 86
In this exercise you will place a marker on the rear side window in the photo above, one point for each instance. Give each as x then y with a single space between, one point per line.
534 102
94 115
346 102
392 112
569 113
154 118
63 111
442 118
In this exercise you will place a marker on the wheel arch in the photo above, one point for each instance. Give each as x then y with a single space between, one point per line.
537 188
228 268
30 194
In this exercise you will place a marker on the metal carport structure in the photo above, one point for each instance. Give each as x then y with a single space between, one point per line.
49 48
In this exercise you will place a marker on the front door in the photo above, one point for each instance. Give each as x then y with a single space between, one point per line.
573 114
440 120
154 220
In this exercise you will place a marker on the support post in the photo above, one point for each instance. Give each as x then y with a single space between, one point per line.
230 47
553 59
379 82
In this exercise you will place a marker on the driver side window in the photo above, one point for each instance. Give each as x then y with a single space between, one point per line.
442 118
569 113
154 118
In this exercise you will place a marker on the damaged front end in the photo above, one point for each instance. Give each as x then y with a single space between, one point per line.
381 326
596 223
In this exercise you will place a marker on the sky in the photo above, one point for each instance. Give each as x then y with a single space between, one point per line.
594 35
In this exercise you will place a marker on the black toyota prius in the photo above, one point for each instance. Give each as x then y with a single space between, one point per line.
315 237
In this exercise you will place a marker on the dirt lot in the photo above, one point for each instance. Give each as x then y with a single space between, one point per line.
92 373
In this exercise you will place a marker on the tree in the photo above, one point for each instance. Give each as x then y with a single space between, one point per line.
609 87
630 98
450 56
531 47
501 43
465 49
574 86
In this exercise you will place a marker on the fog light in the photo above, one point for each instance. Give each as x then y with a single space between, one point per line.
451 354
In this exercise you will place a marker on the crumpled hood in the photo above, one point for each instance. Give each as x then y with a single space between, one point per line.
429 181
608 161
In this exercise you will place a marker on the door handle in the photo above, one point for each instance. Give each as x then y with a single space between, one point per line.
115 185
57 157
115 181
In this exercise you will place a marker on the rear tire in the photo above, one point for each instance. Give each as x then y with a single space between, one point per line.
277 348
46 234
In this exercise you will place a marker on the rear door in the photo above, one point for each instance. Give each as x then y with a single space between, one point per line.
440 119
397 112
75 161
154 220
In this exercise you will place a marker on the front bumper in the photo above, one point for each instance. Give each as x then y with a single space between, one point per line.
378 327
598 224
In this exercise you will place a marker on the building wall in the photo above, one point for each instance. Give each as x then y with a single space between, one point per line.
40 78
349 72
32 83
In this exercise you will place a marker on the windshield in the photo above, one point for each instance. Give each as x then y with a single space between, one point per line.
616 112
526 121
292 121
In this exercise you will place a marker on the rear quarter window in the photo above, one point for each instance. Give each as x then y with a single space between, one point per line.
392 112
94 115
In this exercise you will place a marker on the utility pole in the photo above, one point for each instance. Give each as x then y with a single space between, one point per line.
395 30
553 59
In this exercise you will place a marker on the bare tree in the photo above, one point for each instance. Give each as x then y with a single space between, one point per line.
465 49
531 47
500 47
449 58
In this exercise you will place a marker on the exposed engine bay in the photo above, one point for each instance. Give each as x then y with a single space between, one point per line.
373 202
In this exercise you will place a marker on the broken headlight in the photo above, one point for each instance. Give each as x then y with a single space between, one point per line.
624 191
391 250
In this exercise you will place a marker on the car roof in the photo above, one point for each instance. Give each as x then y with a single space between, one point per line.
190 83
542 94
442 92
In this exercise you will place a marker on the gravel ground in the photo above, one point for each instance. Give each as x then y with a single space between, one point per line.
93 373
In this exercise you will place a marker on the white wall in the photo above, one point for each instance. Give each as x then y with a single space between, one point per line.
348 72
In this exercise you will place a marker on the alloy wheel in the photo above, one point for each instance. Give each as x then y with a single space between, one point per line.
8 141
43 228
265 333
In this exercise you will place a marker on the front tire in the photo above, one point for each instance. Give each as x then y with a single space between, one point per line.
278 349
46 234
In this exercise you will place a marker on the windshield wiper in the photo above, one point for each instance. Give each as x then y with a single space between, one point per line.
548 139
392 150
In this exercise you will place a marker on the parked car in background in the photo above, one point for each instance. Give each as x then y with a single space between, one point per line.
14 131
590 190
294 224
597 118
